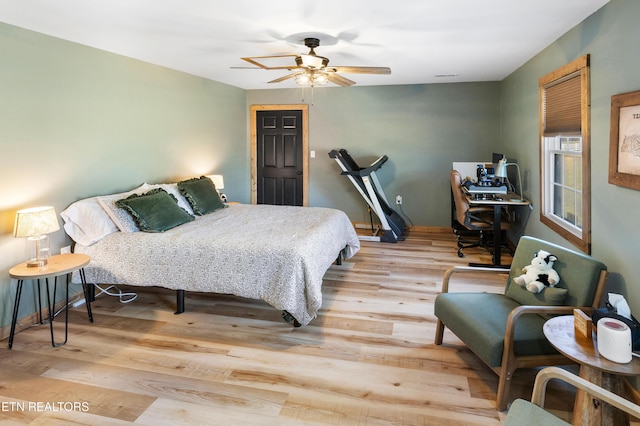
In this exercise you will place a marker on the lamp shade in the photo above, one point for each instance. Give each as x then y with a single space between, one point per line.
501 170
35 222
218 181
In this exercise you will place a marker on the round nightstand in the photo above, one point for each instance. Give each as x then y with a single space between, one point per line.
62 264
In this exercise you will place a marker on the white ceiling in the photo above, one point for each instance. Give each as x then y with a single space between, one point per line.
475 40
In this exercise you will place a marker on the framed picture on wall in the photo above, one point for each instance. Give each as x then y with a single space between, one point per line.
624 148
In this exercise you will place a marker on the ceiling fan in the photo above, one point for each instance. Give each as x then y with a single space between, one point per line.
314 70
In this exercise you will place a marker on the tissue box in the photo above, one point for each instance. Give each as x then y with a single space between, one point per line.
582 323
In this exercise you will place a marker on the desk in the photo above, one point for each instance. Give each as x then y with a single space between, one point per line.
62 264
508 200
594 368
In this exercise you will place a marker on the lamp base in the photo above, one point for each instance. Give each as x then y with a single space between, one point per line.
38 251
37 263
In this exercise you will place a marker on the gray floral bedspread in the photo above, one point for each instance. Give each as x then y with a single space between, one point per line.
275 253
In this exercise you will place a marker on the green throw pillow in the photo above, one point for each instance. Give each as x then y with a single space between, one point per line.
550 296
155 211
201 194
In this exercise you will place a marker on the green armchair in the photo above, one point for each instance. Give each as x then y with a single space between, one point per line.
505 330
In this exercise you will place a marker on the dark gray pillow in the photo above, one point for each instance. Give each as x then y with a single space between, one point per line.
155 211
201 194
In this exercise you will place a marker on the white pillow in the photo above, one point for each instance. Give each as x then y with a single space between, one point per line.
86 222
172 189
119 216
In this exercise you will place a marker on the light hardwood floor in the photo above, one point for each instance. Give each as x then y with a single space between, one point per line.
368 358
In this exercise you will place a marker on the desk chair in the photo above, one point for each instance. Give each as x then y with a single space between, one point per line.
533 413
471 225
505 329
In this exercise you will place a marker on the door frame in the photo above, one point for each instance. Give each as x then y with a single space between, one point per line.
305 147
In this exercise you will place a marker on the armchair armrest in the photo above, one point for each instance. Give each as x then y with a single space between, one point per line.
533 309
548 373
458 269
516 313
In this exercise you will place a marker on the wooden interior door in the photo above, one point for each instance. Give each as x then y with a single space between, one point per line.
279 155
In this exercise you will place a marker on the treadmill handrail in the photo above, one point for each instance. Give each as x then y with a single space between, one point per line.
368 170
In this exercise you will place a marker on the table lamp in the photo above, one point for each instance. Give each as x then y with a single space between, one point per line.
218 182
501 172
33 224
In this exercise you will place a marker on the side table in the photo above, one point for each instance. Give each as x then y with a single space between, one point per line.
62 264
593 367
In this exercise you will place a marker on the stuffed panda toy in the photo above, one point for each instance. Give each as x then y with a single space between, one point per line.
539 274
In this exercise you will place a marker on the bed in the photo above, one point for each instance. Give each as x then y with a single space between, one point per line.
278 254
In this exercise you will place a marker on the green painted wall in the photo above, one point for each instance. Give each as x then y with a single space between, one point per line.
77 122
421 128
611 37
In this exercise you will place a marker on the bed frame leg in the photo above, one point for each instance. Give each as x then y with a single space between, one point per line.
179 302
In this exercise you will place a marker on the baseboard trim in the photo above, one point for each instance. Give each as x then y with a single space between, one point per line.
421 228
33 319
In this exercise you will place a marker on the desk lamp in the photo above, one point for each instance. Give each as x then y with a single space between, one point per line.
33 224
501 172
218 182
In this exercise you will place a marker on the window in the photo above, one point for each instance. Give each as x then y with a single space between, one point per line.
564 152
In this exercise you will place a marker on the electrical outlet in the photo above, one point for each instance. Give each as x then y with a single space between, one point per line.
398 199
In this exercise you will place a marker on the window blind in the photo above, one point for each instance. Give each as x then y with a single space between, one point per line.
562 106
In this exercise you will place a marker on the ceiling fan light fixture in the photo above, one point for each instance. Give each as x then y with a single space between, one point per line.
303 79
320 79
312 61
312 79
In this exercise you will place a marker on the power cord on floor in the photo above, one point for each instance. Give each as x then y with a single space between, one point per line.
403 214
125 297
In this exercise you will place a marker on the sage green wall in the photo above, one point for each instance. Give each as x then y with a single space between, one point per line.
611 37
77 122
421 128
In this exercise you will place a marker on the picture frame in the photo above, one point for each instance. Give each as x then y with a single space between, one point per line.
624 144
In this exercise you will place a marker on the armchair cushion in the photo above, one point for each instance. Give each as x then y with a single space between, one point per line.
479 320
523 412
551 296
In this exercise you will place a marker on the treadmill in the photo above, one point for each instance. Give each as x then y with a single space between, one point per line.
368 185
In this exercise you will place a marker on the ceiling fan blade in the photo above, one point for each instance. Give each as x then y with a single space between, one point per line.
254 60
339 80
286 77
362 70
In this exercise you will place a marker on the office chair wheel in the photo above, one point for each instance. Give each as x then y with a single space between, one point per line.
460 254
